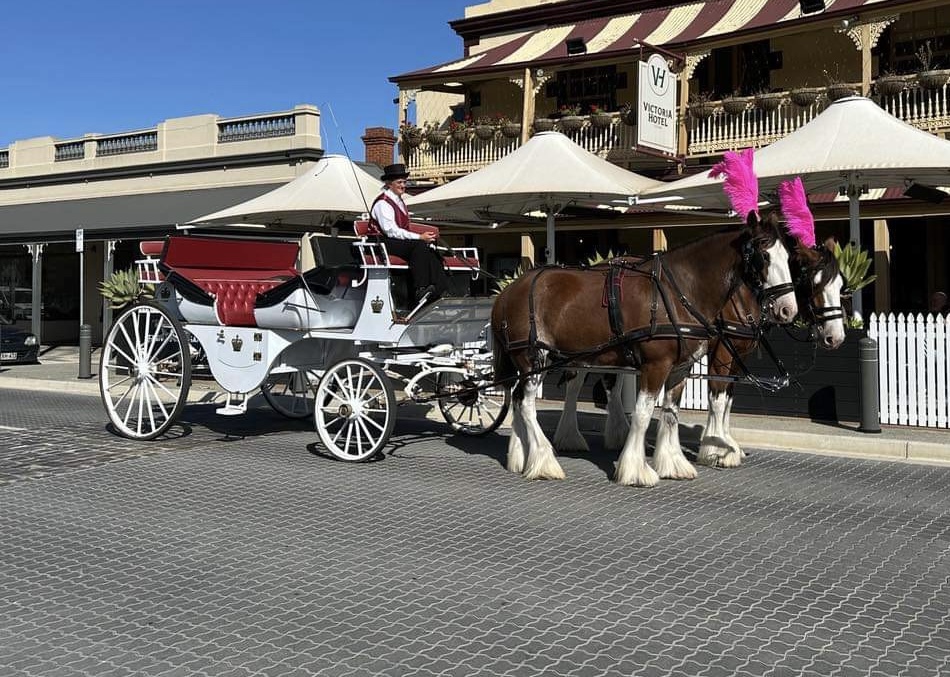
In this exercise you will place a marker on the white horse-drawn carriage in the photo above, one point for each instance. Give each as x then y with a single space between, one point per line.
327 343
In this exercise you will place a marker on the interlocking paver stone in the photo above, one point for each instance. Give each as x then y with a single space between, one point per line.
234 550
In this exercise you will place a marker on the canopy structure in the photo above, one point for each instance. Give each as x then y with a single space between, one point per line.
852 146
547 174
333 188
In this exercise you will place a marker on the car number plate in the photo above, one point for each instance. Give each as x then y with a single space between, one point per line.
7 356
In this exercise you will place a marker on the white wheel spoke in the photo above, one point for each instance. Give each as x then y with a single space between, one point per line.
368 419
152 383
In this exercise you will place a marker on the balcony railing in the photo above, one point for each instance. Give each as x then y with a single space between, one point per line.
752 126
452 158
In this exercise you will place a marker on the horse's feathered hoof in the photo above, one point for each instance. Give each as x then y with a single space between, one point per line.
641 477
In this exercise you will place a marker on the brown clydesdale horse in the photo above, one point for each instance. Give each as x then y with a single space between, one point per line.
661 323
818 289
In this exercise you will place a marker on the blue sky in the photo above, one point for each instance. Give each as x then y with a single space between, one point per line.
68 67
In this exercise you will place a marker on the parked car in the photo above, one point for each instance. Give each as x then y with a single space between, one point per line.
16 345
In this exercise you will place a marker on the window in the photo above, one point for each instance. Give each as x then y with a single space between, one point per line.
587 86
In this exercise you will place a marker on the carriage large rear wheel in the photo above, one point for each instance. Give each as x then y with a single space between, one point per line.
471 406
145 371
354 409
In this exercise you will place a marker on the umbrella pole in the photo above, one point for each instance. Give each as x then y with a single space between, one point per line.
854 219
549 255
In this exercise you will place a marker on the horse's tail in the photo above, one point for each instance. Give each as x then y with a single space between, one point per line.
505 369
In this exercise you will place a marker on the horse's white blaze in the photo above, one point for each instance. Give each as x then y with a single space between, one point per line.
668 456
785 307
568 436
632 468
831 333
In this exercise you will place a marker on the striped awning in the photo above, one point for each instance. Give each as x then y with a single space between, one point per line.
682 24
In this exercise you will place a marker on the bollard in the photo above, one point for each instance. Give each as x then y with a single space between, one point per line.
868 386
85 351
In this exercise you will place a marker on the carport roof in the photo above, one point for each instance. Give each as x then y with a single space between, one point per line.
117 216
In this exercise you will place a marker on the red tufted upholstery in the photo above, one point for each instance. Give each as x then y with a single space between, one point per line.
232 271
448 262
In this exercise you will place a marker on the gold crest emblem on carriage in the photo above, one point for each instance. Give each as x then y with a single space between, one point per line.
376 304
236 343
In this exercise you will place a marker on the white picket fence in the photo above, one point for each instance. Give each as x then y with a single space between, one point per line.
914 364
914 368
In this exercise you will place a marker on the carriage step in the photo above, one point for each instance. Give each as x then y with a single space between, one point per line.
233 407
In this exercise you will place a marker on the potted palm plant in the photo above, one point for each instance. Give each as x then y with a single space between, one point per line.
122 289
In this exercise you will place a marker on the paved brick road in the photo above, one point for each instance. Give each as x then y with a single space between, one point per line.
237 549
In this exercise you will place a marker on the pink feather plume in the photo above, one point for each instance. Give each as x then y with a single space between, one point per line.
742 185
801 223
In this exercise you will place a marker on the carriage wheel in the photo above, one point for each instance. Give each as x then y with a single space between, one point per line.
291 393
468 409
145 371
354 409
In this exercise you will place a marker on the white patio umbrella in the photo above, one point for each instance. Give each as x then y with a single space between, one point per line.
547 174
852 146
332 189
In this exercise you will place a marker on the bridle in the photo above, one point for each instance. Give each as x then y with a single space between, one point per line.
805 283
756 261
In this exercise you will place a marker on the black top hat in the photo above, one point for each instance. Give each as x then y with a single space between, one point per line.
394 172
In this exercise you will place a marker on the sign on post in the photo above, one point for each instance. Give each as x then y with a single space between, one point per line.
656 113
79 239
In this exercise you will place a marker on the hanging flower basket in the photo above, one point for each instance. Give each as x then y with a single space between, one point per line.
437 137
484 132
804 96
889 85
543 125
461 135
839 91
769 101
511 130
702 109
934 79
601 119
412 137
571 123
735 105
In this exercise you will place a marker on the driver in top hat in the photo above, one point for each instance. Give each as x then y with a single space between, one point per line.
389 218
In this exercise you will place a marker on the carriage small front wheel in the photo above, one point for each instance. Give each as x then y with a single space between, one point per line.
290 393
354 409
472 406
145 371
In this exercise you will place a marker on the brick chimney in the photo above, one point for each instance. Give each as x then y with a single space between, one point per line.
379 143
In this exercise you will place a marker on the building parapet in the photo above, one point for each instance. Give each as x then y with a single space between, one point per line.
175 139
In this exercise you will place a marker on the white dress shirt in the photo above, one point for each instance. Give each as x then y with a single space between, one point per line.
386 218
